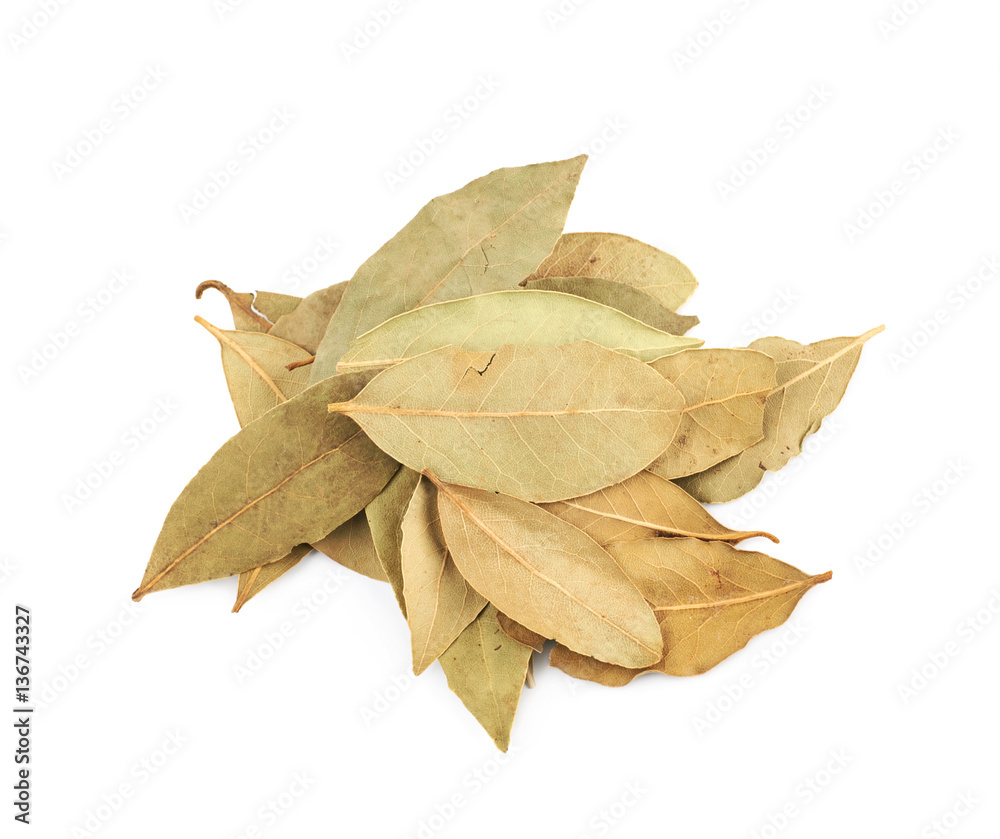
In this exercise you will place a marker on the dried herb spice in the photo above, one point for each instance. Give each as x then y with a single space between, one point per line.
508 425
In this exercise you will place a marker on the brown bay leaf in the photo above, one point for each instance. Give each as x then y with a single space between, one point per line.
542 424
274 305
547 575
710 599
810 381
306 324
290 477
724 393
352 546
486 236
385 515
251 312
611 256
625 298
521 634
643 507
486 670
440 604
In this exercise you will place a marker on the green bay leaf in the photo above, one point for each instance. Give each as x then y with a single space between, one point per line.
525 318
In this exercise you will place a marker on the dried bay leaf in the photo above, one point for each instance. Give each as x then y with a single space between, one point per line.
486 236
521 634
526 318
290 477
440 604
633 302
385 515
542 424
487 670
252 583
307 324
709 598
275 306
352 546
724 392
643 507
255 368
611 256
250 311
810 381
547 575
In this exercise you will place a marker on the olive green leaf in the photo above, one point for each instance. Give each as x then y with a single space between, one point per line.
255 368
633 302
543 424
611 256
521 634
253 582
547 575
810 381
486 236
488 321
439 602
643 507
290 477
352 546
307 323
724 392
487 670
709 598
385 518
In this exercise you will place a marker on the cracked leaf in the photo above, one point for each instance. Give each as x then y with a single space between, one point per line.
542 424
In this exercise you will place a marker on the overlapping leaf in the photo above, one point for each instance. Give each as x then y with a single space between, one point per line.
306 324
542 424
486 236
526 318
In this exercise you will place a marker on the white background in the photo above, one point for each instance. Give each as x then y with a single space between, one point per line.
914 436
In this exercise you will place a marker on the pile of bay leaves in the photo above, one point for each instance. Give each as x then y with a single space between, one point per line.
506 424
